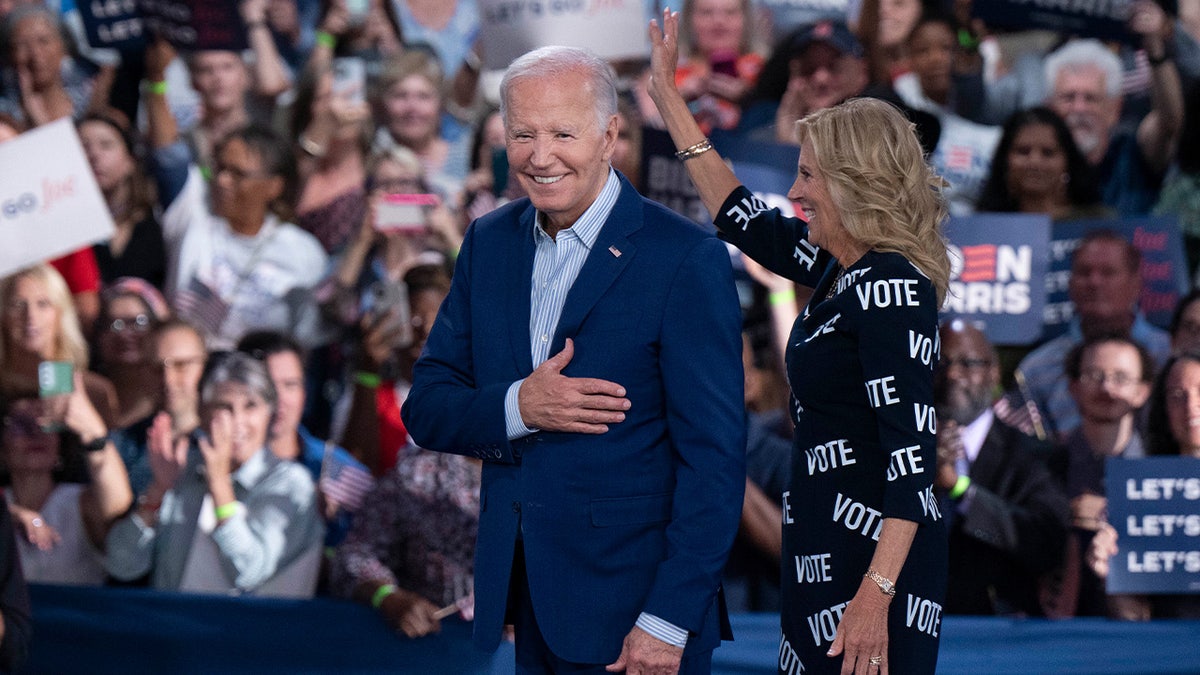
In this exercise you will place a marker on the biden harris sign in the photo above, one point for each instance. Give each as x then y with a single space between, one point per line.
998 266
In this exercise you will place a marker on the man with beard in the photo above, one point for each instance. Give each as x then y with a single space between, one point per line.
1006 514
1083 82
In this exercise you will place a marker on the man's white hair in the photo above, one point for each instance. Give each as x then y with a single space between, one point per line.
557 60
1085 54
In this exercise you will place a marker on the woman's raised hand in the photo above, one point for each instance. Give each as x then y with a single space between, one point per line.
664 53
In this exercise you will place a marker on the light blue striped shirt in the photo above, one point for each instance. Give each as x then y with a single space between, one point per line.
556 265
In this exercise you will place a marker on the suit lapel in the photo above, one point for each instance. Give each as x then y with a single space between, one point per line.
517 295
991 456
608 258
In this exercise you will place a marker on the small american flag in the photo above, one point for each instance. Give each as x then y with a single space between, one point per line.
1018 409
344 479
202 306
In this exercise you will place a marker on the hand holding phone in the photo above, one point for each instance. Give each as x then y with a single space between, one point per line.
56 381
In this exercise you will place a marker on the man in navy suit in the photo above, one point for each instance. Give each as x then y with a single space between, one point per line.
589 352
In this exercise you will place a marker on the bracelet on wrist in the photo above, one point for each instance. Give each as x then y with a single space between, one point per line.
885 584
226 511
158 87
326 39
960 487
693 151
777 298
311 147
368 380
381 594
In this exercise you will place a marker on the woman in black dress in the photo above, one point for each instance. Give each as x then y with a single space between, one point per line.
864 544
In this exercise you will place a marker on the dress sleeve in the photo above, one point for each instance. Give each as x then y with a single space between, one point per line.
775 241
898 348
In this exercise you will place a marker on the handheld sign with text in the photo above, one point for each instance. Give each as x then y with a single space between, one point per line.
998 261
52 205
1164 269
115 24
196 24
613 29
1154 504
1104 19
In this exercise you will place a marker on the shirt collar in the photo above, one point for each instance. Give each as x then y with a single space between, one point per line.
974 434
587 228
252 470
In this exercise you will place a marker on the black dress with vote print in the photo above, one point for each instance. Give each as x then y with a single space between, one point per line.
860 362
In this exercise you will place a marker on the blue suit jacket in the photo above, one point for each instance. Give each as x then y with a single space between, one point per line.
640 518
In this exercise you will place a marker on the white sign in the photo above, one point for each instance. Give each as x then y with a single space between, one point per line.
50 204
613 29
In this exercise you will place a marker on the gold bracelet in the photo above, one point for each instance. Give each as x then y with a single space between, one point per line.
694 150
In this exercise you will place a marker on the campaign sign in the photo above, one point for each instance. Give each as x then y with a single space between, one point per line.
113 24
192 25
613 29
997 263
788 15
1103 19
1164 268
52 205
1154 504
666 180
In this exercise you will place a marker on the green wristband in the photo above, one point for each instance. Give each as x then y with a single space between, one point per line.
381 594
960 487
326 40
368 380
229 510
159 88
782 297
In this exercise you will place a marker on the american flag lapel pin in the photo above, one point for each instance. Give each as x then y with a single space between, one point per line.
615 251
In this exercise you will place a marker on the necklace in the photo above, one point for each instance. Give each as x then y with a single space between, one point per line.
837 282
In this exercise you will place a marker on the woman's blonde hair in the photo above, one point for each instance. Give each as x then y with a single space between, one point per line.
69 343
889 199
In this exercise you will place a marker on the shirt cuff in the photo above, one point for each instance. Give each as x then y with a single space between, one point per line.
513 424
662 630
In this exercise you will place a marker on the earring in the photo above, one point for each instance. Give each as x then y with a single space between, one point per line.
1066 178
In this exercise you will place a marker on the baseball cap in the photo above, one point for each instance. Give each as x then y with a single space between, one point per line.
833 33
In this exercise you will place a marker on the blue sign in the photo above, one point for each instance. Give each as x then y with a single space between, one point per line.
1154 504
113 24
1164 268
998 263
1103 20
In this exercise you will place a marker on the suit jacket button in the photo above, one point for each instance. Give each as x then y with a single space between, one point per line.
516 507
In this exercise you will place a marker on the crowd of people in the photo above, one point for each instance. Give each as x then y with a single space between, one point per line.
238 353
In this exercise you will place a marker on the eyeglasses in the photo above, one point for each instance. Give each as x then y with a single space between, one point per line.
180 364
1099 378
22 426
236 174
965 363
137 324
397 186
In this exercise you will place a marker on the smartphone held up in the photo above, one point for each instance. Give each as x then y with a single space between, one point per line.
404 214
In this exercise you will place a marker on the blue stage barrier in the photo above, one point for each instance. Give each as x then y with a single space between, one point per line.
117 630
